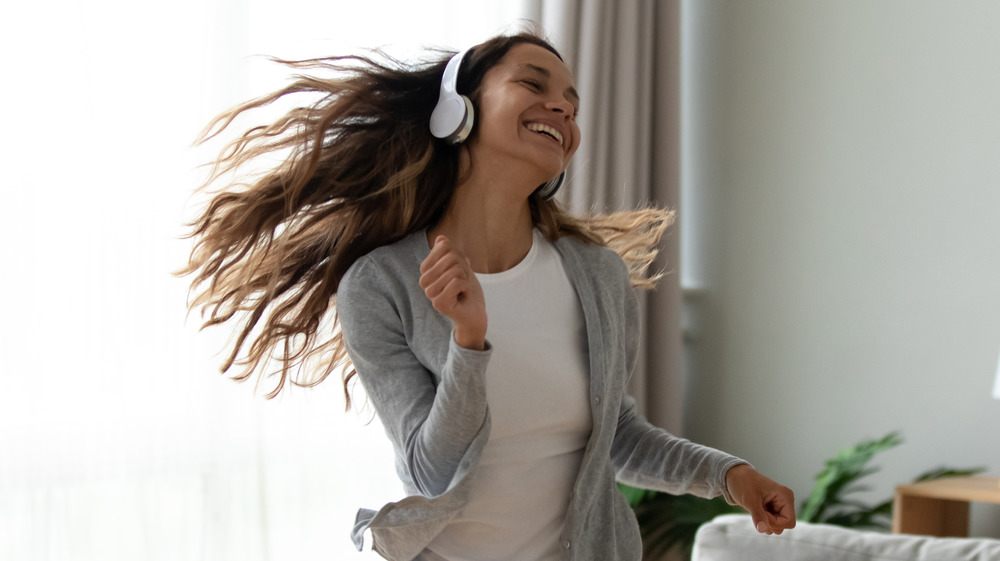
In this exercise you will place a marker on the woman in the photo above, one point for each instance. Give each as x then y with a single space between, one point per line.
493 333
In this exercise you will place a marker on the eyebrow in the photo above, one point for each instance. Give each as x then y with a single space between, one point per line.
571 91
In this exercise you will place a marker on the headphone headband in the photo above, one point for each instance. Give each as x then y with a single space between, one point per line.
449 80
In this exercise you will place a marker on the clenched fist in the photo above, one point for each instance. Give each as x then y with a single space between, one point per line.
450 284
771 505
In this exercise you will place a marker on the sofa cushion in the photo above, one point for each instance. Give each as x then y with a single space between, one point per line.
732 537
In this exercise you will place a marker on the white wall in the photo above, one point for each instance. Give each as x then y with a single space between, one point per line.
842 216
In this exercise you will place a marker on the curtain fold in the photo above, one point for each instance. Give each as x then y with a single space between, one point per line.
626 60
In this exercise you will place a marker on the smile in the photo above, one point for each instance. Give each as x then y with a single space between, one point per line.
547 130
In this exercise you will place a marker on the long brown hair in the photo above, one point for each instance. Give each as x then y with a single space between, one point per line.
359 169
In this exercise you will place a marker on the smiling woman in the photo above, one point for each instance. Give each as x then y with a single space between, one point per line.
493 332
122 443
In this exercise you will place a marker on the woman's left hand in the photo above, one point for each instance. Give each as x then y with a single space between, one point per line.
771 505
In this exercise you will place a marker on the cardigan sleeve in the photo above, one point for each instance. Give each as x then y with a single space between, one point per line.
648 456
431 418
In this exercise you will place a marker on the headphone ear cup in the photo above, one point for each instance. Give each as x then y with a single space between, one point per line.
453 118
548 189
464 128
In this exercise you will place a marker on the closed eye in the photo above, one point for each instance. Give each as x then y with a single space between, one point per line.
538 87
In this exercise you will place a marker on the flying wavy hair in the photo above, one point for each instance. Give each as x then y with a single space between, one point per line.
357 169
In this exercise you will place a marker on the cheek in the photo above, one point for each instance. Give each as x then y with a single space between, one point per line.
494 122
576 139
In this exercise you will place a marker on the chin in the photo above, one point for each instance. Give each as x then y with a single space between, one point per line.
550 170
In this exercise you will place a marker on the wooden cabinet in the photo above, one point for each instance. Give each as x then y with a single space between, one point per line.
941 507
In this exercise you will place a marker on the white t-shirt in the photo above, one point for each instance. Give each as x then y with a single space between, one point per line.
537 386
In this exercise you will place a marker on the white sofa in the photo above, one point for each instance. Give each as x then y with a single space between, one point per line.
733 538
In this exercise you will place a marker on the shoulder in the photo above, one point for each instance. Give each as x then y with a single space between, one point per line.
387 272
401 259
595 261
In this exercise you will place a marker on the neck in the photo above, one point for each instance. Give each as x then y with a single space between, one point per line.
488 224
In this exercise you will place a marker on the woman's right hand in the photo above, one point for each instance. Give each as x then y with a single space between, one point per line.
449 282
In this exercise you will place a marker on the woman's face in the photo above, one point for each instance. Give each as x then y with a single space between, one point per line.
526 113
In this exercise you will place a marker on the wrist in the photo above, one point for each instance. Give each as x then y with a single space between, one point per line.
736 470
470 339
734 475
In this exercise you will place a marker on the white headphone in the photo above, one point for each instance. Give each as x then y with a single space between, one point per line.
453 117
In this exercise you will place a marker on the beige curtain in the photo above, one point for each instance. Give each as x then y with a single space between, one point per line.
626 60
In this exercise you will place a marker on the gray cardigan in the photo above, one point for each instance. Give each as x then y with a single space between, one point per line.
430 395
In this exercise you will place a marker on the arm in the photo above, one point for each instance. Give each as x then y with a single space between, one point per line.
649 457
432 418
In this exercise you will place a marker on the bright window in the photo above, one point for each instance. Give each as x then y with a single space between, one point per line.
118 437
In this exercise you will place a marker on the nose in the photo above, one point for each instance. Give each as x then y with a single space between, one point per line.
562 106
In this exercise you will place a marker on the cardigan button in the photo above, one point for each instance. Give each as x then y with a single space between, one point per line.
565 544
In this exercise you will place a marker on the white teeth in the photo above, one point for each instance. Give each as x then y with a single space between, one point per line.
539 127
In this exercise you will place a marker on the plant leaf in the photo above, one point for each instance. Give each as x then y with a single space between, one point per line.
840 474
671 521
941 472
635 495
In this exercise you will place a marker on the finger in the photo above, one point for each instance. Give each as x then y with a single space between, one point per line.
784 521
775 520
759 523
433 260
448 265
437 277
440 260
450 296
773 526
763 521
782 509
434 282
440 248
